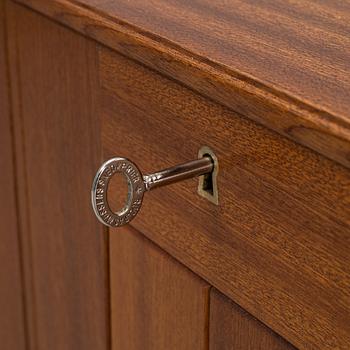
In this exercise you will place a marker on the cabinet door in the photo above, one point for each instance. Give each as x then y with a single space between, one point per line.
232 328
157 303
53 72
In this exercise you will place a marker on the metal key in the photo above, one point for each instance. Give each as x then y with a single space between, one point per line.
138 185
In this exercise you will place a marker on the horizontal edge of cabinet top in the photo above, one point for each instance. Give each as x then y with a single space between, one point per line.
282 64
278 243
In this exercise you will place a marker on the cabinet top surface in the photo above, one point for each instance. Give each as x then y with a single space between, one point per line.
298 47
283 63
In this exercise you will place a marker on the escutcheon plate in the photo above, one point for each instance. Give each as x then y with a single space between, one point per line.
136 188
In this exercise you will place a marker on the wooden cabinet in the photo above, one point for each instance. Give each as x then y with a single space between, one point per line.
268 267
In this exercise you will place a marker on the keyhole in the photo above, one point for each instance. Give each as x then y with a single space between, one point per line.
207 186
117 194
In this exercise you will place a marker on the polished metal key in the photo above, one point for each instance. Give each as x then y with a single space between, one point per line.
137 185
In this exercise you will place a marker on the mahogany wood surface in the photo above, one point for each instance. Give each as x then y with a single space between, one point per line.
278 243
157 303
57 136
232 328
282 63
12 325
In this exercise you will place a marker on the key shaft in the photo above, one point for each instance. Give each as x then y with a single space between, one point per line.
178 173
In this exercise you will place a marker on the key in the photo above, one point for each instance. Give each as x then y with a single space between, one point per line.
138 184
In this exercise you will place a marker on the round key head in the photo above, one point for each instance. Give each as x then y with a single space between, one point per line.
136 188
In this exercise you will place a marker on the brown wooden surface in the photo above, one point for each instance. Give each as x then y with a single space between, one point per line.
156 302
12 324
278 243
57 134
232 328
282 63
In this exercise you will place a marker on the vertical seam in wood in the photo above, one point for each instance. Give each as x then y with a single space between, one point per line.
207 326
31 338
105 230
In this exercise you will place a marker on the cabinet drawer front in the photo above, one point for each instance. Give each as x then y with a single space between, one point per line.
277 243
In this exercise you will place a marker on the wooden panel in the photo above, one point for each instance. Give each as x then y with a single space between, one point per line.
58 149
251 56
278 243
156 302
12 330
231 327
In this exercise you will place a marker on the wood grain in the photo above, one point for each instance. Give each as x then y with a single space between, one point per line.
156 302
12 324
231 327
278 243
282 63
58 149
